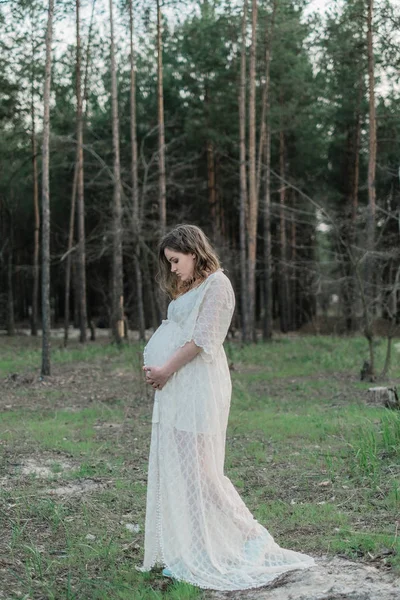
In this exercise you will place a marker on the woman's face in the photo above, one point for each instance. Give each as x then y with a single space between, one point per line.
181 264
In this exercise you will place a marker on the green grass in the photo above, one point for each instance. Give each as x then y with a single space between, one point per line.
316 464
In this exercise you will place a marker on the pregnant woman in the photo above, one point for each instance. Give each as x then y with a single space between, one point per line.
197 526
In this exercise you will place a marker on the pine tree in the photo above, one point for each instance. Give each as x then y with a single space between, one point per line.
46 200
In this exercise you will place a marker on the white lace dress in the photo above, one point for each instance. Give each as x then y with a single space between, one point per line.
196 523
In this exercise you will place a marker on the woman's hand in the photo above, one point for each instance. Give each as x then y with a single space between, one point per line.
157 377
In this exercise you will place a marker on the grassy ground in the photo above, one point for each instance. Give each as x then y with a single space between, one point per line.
314 460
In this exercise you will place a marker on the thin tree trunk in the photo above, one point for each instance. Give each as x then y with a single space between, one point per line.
243 183
46 200
211 173
350 295
117 277
221 229
283 282
212 196
265 96
75 291
87 62
139 288
372 134
36 241
134 149
81 255
357 144
371 163
135 185
162 195
10 293
366 286
253 199
268 316
151 292
265 138
293 274
73 201
36 233
69 256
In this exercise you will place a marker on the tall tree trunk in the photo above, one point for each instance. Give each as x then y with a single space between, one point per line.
117 273
75 291
367 295
162 195
357 144
135 186
36 233
81 256
46 200
243 183
253 198
211 173
134 149
69 256
10 291
371 167
265 148
283 281
268 316
87 62
372 134
151 292
350 229
265 96
35 292
294 318
139 297
219 200
212 195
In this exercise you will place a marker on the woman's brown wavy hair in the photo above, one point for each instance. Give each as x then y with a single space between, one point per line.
188 239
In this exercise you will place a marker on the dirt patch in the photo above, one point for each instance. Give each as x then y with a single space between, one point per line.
108 426
39 468
32 466
82 486
330 579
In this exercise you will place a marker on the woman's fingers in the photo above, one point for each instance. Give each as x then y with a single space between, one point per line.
157 386
152 381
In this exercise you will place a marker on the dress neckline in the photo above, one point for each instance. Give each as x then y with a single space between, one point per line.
197 286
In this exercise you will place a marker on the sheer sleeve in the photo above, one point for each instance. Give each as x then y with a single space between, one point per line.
214 315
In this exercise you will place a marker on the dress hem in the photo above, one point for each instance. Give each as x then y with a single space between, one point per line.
307 565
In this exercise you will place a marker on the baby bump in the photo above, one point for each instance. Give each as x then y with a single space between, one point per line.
162 344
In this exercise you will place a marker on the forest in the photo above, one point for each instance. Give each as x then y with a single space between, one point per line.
272 124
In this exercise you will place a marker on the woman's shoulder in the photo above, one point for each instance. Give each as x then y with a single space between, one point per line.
219 276
219 282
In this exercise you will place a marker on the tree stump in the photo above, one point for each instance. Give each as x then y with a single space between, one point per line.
386 396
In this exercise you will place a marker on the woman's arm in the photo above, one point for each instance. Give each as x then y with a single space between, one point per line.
158 376
181 357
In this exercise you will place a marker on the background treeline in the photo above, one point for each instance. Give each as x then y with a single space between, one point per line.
273 128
